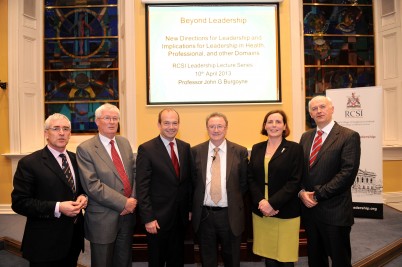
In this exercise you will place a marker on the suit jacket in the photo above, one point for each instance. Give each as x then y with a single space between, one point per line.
39 183
161 194
104 187
236 183
332 175
284 174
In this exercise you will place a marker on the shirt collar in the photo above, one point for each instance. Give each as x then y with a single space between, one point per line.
56 153
221 147
106 141
327 128
166 142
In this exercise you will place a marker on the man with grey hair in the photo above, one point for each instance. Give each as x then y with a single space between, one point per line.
331 162
107 169
219 182
47 190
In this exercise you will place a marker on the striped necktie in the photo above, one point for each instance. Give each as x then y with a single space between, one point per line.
316 147
67 172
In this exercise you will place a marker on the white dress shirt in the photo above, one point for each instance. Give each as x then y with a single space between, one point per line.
222 154
56 154
166 143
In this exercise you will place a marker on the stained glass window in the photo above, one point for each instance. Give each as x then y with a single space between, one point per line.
338 46
81 59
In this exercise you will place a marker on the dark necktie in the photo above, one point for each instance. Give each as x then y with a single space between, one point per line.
175 161
67 172
316 147
216 191
120 169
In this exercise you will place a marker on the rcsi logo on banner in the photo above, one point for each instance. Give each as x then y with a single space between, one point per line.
360 109
353 107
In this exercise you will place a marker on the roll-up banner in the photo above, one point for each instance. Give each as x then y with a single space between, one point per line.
361 109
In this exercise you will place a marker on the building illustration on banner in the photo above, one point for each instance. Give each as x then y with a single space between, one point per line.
367 182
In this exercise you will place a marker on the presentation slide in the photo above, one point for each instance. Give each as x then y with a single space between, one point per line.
203 54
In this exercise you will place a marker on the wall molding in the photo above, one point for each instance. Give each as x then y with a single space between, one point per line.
393 200
392 153
5 209
392 197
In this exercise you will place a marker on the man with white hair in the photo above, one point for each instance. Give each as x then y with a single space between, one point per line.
107 169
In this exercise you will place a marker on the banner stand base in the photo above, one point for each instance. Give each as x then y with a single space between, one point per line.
368 210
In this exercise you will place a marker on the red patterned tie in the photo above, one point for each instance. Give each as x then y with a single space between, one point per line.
316 147
120 169
175 161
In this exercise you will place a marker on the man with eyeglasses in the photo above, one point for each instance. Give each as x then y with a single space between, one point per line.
219 183
164 191
107 169
47 190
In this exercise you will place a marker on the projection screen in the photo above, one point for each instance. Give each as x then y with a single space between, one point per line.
212 53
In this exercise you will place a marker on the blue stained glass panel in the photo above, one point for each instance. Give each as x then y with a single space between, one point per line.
339 50
81 59
333 19
320 79
338 46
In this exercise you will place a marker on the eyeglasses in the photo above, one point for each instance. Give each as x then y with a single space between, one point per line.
58 128
219 127
110 119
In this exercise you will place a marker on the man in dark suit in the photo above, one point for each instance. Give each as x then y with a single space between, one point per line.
218 208
164 191
107 168
48 192
327 211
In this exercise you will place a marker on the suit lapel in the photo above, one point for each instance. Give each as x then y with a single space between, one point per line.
229 158
74 162
309 143
331 138
181 152
180 149
281 150
204 160
102 153
311 140
259 155
124 152
51 162
164 154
